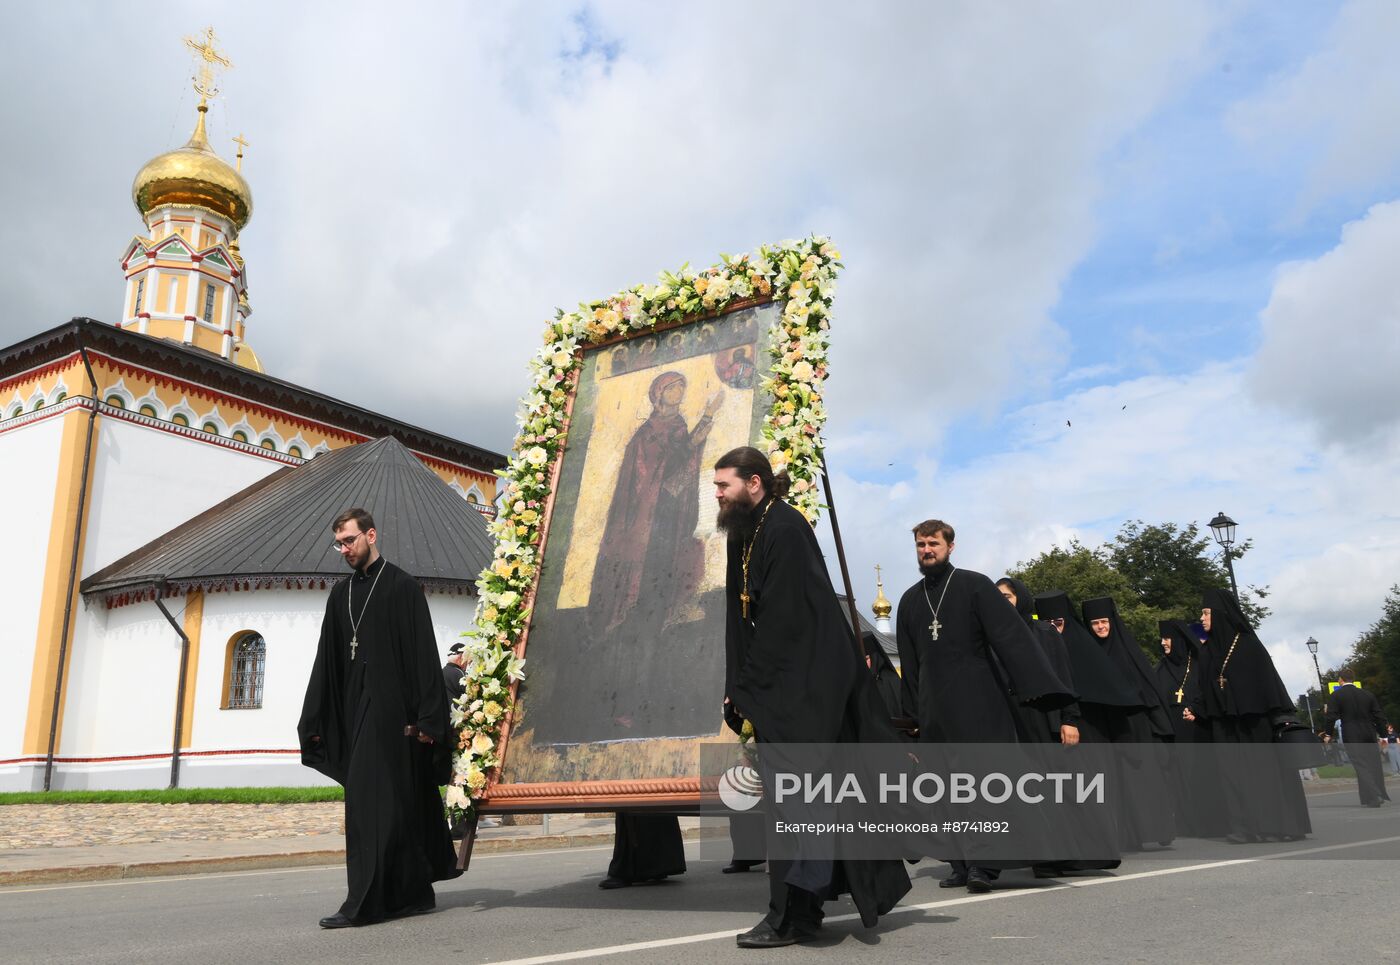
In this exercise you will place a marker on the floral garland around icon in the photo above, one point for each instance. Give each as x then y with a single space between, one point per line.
801 277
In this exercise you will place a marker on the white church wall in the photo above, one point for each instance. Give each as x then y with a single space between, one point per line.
119 705
147 481
119 712
30 455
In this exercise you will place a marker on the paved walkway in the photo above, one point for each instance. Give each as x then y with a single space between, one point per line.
45 843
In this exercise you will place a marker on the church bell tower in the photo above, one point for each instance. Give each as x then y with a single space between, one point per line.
185 278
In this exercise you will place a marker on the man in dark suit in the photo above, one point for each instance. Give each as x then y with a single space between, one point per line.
1363 730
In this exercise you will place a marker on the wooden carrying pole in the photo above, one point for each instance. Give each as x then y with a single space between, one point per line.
841 556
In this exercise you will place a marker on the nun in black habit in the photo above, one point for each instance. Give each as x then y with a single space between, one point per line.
1043 725
1200 809
1145 761
1240 694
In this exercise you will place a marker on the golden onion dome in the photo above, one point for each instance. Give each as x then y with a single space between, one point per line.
882 607
194 175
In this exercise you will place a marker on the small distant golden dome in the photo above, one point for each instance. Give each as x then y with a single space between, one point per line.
194 175
882 607
245 356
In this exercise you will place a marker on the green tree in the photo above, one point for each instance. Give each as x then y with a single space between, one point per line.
1169 567
1375 658
1084 574
1153 572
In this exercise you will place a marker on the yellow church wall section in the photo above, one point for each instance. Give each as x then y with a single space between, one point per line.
58 562
194 623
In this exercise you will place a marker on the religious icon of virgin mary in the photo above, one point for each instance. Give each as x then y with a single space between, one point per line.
650 562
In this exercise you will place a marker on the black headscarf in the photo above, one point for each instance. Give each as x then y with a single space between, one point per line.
1024 604
1185 653
1096 680
1252 684
1130 662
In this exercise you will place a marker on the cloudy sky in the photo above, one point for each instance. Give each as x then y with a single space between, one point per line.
1104 261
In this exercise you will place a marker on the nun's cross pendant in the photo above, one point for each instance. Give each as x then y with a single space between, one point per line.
354 645
744 605
934 627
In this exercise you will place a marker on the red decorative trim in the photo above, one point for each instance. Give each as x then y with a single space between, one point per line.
191 318
40 372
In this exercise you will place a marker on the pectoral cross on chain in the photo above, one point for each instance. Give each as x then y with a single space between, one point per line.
934 627
1179 691
354 645
1221 679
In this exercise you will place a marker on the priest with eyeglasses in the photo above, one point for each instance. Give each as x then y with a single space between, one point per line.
375 721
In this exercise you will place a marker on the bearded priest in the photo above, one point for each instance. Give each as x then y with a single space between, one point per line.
792 670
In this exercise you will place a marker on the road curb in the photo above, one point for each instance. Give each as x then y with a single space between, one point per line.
255 862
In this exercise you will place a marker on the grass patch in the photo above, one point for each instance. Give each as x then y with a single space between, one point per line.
181 795
1336 770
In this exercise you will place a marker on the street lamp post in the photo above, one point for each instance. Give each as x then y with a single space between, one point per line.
1312 649
1222 527
1308 701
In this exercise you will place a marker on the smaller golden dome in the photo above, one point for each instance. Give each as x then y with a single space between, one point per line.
194 175
882 607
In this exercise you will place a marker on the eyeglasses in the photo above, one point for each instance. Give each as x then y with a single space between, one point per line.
1056 621
344 545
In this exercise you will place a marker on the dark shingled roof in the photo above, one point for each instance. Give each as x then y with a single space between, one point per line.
277 531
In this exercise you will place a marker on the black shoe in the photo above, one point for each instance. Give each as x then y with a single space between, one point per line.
736 867
763 935
339 921
1045 871
1236 837
977 881
609 883
1374 804
955 880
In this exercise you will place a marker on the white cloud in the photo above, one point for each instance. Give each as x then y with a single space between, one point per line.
1331 333
1337 106
431 185
1326 535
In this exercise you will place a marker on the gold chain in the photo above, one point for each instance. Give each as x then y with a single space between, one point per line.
1184 677
748 554
1224 663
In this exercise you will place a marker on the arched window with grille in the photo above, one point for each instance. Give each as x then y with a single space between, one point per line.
243 682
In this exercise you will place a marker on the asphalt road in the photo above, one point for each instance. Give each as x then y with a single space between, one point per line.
1334 894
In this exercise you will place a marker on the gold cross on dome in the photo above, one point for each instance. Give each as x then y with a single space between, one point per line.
211 58
877 572
241 145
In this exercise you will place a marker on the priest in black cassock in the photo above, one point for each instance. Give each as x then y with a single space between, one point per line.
375 721
792 670
1240 695
967 660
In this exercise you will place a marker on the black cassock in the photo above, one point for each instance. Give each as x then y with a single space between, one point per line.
1200 805
646 847
1363 724
1113 710
1042 726
396 838
1263 792
960 687
967 685
1144 754
791 668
